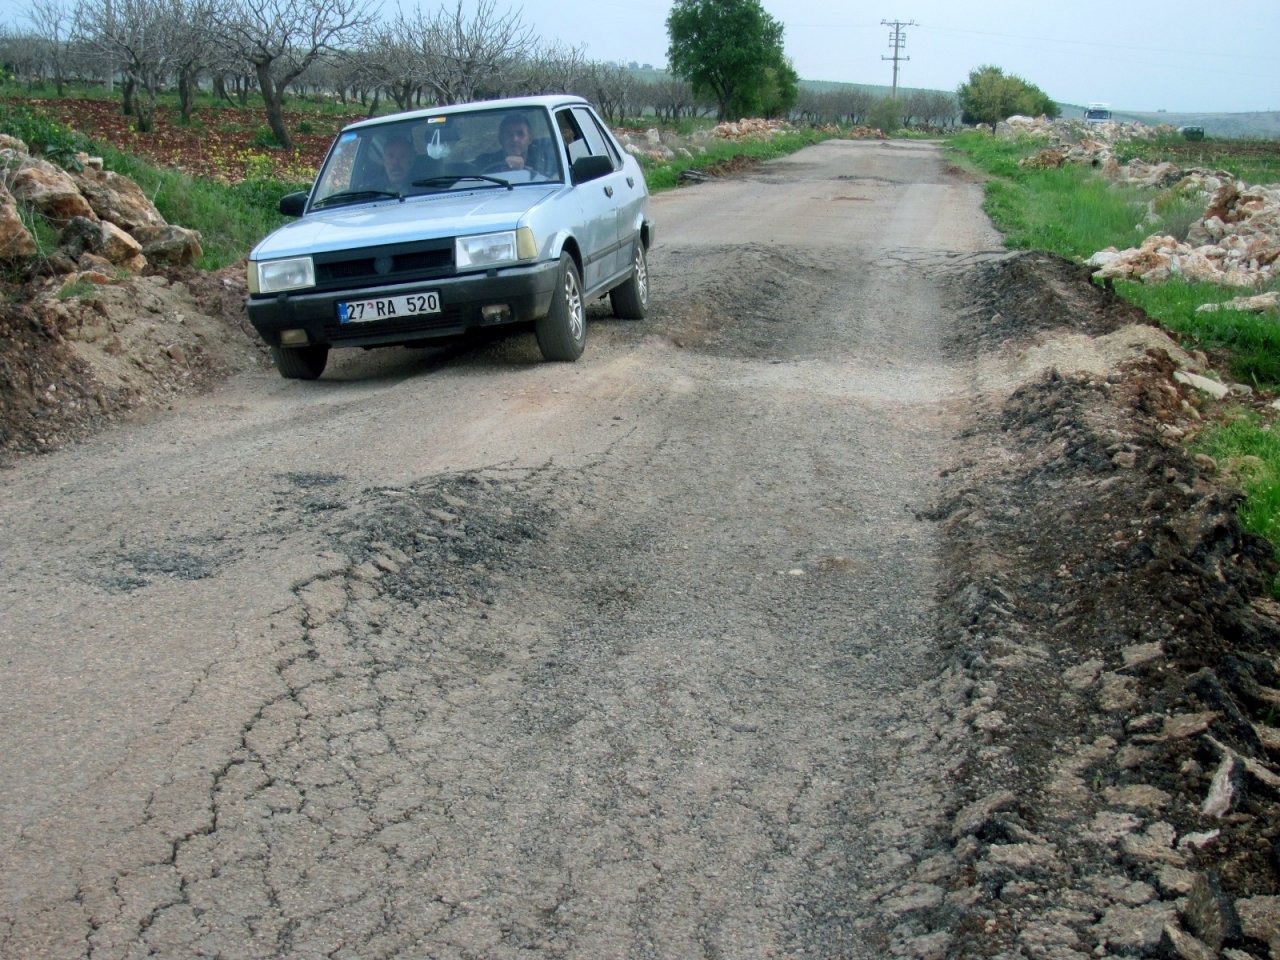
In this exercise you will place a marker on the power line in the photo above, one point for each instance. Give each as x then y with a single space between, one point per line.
897 40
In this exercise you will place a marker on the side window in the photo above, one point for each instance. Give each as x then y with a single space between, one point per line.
597 143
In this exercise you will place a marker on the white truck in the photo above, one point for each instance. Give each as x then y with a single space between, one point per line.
1097 113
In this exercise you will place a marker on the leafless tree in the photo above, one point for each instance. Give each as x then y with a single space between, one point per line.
20 52
465 57
670 98
52 22
553 69
611 86
281 38
135 36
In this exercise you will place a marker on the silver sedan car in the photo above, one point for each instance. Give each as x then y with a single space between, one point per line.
433 223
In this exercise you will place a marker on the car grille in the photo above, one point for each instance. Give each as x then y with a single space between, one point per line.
378 266
418 323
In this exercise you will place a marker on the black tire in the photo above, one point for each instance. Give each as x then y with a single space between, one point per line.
630 301
562 333
300 363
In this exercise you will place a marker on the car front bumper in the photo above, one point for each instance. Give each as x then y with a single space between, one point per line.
525 290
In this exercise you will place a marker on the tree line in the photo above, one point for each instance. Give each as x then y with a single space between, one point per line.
341 49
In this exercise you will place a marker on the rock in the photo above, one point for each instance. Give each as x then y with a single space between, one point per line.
117 245
1257 304
1154 846
48 189
1176 944
973 818
13 143
1260 920
16 242
169 244
1133 929
78 236
1210 913
1203 384
118 199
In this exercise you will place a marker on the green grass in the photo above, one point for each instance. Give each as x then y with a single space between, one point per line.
230 218
1254 161
1251 342
664 175
1073 212
1248 450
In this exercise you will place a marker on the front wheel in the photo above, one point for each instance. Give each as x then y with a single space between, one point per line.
630 301
300 363
562 333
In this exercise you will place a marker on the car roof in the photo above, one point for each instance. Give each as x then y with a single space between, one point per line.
548 102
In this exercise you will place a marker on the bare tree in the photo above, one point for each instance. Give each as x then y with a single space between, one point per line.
134 34
467 56
671 97
281 38
21 53
190 27
553 69
610 86
52 21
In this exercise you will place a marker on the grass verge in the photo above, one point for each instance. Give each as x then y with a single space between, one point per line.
1073 212
664 175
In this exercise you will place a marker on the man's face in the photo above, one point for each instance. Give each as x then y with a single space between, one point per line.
397 160
515 138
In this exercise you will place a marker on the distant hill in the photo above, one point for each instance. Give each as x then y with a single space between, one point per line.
1256 126
1263 125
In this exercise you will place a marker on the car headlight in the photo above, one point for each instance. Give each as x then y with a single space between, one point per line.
277 276
494 249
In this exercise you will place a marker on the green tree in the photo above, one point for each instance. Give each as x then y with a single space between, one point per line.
991 95
731 50
886 116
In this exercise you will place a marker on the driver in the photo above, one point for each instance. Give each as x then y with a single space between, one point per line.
397 163
515 137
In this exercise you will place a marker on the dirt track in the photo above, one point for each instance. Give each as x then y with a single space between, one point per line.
699 647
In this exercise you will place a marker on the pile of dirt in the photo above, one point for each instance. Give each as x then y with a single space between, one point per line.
1110 614
75 358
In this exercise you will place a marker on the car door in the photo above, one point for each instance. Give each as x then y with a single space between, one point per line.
605 197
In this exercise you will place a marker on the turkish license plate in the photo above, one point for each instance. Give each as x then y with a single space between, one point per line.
386 308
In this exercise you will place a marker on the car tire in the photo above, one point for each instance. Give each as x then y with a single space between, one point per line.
562 333
630 301
300 363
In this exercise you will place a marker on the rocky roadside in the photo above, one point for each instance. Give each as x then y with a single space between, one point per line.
1109 618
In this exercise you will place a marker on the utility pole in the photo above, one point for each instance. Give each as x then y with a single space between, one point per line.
897 40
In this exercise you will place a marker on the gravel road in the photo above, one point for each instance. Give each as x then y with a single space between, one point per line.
462 654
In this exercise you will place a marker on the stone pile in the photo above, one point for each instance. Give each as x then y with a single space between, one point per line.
108 224
1236 242
750 129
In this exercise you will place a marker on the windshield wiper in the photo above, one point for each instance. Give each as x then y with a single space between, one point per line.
353 196
450 179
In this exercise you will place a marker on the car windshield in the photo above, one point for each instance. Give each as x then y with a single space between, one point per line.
479 149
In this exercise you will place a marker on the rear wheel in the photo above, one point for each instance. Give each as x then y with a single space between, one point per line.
300 363
631 300
562 333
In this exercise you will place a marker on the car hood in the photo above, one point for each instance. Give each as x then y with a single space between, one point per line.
427 217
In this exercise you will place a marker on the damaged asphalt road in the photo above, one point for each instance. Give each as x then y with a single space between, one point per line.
733 639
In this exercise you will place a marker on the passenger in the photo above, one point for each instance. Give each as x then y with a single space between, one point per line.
567 133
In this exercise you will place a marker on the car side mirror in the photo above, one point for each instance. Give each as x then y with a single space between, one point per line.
585 169
292 204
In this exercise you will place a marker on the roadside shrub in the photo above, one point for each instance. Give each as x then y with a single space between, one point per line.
43 135
264 139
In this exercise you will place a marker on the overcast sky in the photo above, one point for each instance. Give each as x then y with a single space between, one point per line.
1177 55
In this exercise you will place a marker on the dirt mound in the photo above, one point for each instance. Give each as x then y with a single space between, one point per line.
1108 609
74 358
